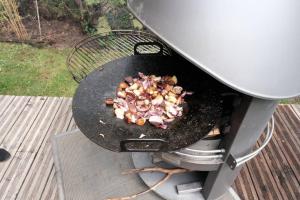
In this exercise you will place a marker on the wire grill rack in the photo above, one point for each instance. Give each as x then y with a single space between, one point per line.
97 50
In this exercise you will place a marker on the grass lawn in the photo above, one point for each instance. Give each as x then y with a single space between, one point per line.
26 70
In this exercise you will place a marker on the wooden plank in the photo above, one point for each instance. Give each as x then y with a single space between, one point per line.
294 118
244 185
296 109
50 190
21 163
287 145
18 132
11 115
291 122
280 169
38 175
4 104
263 180
291 114
1 98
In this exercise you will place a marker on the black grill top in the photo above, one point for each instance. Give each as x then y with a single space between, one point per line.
98 123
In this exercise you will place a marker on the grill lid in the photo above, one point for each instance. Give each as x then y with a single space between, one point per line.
252 46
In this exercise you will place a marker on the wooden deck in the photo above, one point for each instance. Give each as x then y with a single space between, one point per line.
27 124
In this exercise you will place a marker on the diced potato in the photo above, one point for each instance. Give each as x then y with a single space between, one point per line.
109 101
140 121
123 85
134 86
174 79
172 99
121 94
119 113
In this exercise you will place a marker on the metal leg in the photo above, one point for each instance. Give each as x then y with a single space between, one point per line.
4 155
248 122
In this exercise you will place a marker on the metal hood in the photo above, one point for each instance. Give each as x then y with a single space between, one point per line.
252 46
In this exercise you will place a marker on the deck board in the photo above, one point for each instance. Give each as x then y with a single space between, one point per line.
22 161
41 169
287 145
244 185
11 114
17 133
5 101
27 124
296 110
277 164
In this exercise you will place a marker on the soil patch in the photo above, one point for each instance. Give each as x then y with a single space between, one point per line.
56 33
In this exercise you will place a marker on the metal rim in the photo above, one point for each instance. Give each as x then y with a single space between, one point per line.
195 124
85 56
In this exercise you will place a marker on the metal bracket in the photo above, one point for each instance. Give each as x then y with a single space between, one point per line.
235 162
189 187
231 162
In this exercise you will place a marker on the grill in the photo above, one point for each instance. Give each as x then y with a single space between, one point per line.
200 151
238 110
97 50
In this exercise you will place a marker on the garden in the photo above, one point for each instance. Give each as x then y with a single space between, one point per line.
37 36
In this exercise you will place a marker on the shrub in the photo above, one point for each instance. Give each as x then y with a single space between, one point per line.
120 18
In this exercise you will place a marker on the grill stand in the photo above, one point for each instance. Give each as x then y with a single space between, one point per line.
248 122
77 158
187 186
217 169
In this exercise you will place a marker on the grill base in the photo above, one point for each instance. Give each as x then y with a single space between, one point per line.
188 184
86 171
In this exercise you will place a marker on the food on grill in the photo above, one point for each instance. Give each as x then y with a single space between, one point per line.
154 98
109 101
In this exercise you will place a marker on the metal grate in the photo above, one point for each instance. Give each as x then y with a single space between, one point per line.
97 50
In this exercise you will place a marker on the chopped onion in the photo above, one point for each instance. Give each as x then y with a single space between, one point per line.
154 98
119 113
156 120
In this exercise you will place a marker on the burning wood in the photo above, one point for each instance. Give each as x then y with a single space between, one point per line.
154 98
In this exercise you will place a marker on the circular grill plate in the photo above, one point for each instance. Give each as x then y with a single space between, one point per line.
98 122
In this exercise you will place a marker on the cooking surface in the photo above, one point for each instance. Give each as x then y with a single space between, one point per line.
98 122
252 46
